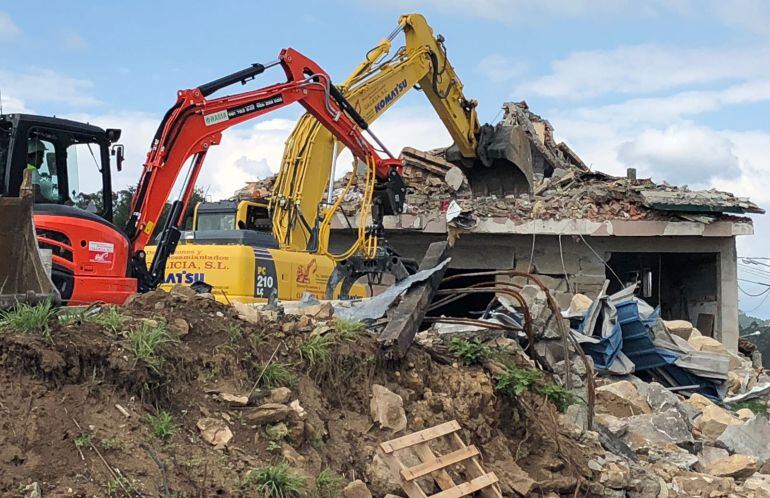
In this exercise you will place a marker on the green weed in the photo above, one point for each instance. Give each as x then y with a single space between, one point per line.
348 330
276 374
147 342
109 317
317 349
275 481
29 319
161 425
557 395
118 487
328 484
112 443
83 440
514 381
469 352
234 332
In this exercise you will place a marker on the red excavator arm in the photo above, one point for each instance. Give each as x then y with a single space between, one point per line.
194 124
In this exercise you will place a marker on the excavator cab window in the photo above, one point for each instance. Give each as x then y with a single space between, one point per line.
216 221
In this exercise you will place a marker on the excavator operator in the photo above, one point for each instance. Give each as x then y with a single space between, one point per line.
41 183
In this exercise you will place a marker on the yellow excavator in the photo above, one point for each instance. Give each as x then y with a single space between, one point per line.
296 242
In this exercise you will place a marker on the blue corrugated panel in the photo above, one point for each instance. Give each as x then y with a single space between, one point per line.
637 340
604 352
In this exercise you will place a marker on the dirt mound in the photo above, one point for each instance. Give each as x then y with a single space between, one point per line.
175 395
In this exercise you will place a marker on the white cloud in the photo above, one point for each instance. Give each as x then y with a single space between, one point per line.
682 154
8 28
498 68
752 15
72 40
44 86
645 68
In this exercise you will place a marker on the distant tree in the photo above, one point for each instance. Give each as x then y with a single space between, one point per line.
121 207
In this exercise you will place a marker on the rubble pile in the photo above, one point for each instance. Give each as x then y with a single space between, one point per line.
176 394
565 188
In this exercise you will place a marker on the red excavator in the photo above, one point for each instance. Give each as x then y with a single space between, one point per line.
92 259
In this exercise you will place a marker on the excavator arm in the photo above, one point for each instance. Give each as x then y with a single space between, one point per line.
195 123
373 87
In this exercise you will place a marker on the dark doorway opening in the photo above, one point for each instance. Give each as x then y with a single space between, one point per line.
470 306
684 285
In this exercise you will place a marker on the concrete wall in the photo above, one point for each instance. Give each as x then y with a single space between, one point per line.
585 270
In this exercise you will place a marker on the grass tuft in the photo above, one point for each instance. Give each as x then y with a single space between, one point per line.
757 406
348 330
83 440
161 425
317 349
29 319
111 443
276 374
147 342
328 484
109 317
558 395
468 352
275 481
514 381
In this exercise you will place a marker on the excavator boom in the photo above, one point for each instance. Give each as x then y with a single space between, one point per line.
372 88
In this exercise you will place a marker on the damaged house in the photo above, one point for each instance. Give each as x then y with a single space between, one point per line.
582 231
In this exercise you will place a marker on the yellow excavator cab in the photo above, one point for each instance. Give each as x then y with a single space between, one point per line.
232 249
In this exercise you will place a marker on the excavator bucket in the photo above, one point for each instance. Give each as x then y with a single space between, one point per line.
23 276
503 162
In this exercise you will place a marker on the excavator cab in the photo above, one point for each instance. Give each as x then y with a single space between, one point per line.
50 169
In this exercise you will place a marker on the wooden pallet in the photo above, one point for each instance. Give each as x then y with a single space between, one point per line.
437 467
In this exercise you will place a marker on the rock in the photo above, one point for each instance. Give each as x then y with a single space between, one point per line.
279 395
748 439
183 291
33 490
291 456
578 305
702 485
745 414
379 476
234 399
668 427
617 426
179 326
215 432
621 399
681 328
454 177
323 311
294 405
711 345
356 489
699 402
713 421
709 455
247 313
672 455
757 486
737 466
387 408
269 413
615 475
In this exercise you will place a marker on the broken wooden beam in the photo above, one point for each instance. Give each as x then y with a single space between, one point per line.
399 334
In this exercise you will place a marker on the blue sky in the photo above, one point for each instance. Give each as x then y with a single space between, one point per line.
679 89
